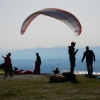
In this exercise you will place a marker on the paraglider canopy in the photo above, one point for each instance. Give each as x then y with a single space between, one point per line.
62 15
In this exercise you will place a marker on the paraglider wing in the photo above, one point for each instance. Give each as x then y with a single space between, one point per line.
62 15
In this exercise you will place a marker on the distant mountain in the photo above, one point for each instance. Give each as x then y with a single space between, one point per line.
50 64
50 53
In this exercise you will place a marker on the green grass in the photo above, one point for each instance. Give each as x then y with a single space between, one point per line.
1 71
34 87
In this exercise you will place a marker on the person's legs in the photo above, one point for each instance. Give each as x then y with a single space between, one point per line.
10 70
88 69
38 69
6 70
35 71
72 64
91 68
72 68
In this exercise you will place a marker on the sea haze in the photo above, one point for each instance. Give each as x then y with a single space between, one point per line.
52 58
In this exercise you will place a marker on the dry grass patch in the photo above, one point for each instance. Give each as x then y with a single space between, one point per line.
38 87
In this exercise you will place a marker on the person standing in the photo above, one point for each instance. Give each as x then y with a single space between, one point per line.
72 53
90 57
5 65
37 64
8 64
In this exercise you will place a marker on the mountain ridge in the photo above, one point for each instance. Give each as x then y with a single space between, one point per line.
50 53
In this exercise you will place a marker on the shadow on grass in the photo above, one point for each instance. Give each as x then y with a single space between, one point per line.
75 81
93 76
56 81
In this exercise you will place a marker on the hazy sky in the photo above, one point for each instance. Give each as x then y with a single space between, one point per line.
45 31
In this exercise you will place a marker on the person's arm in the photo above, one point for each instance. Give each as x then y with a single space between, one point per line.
93 56
69 50
83 57
3 57
76 51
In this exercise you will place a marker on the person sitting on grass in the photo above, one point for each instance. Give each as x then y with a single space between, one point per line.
56 71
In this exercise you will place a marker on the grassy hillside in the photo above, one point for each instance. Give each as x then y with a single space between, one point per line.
38 87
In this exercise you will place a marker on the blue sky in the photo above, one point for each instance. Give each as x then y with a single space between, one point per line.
45 31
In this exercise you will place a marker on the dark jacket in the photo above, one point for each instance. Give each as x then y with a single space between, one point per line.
89 54
38 60
71 51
